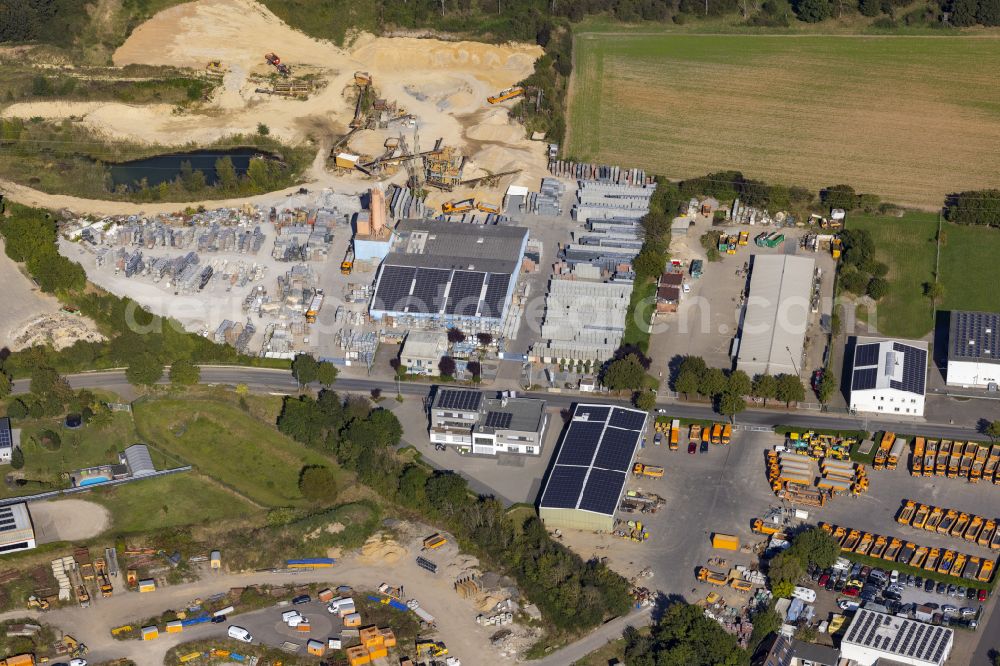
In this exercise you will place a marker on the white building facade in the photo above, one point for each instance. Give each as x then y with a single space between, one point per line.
888 376
974 350
875 637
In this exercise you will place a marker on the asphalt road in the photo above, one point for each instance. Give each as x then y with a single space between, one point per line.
281 381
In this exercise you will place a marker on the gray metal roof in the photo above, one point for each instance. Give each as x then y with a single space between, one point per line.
452 245
525 414
974 336
138 460
776 317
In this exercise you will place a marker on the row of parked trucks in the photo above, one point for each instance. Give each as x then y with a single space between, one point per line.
950 522
670 429
968 460
943 561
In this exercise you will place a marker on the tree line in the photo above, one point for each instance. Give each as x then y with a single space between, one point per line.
729 388
979 207
572 594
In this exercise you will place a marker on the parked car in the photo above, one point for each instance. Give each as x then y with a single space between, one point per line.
658 438
948 609
240 634
704 446
911 580
893 576
941 588
968 611
839 585
933 605
920 582
983 594
848 605
970 593
692 448
928 585
218 619
823 579
815 574
892 595
951 590
960 591
856 569
865 570
302 599
829 584
77 662
851 591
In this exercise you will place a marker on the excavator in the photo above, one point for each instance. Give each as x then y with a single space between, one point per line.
455 207
505 94
273 60
488 207
433 648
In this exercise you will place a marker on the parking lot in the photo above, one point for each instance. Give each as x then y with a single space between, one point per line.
267 627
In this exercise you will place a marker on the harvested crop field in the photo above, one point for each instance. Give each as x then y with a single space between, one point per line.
908 118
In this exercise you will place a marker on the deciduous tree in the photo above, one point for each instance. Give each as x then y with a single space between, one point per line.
144 370
790 389
184 373
764 387
318 484
326 373
305 369
625 374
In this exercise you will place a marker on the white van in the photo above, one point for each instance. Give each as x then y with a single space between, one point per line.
288 616
805 594
240 634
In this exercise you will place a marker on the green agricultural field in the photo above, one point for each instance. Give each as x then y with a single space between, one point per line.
229 445
908 118
908 246
169 501
88 446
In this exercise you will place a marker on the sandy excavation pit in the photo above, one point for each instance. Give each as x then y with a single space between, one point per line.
444 84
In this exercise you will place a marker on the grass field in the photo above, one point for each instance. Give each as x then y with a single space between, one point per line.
169 501
908 118
223 442
908 246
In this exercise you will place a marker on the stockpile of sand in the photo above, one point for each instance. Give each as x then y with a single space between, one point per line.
58 330
381 549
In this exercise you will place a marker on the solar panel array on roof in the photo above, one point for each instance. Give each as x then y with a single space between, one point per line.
864 379
914 369
6 438
394 286
580 443
600 442
604 487
564 486
975 335
498 420
866 355
466 401
428 290
616 449
898 636
496 295
463 295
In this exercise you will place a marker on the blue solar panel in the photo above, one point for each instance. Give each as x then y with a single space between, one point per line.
604 487
617 449
428 290
394 287
592 412
563 488
866 355
496 295
627 418
6 439
864 379
580 443
463 295
914 369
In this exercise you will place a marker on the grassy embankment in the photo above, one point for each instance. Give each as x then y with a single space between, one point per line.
665 103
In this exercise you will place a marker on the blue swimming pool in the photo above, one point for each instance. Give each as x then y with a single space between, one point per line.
92 480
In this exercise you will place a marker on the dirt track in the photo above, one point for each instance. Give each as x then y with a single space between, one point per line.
443 84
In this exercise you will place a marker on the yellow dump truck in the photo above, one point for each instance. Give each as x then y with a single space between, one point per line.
434 541
853 537
934 519
919 557
647 470
761 526
930 456
954 460
879 546
892 550
944 454
968 457
706 575
920 517
947 522
932 559
974 528
978 464
985 571
865 544
717 433
987 533
906 512
727 433
947 560
917 466
958 529
958 564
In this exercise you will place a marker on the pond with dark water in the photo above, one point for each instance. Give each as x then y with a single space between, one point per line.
166 168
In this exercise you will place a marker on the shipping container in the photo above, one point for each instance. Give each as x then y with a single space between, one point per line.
175 627
149 633
725 541
147 585
310 563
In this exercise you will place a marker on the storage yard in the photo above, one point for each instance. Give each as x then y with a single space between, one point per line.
685 105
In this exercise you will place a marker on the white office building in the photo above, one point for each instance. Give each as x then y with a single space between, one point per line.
880 638
888 376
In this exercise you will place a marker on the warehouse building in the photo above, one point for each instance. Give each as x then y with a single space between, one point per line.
452 274
888 376
470 421
16 530
880 638
974 350
422 350
772 334
593 462
584 321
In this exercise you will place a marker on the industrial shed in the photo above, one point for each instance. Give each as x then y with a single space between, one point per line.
773 331
16 531
139 462
880 638
452 274
587 481
974 349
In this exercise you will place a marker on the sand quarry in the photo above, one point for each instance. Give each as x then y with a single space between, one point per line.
444 84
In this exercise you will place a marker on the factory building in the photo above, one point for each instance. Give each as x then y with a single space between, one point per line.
586 483
772 333
474 423
974 350
888 376
16 530
450 274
